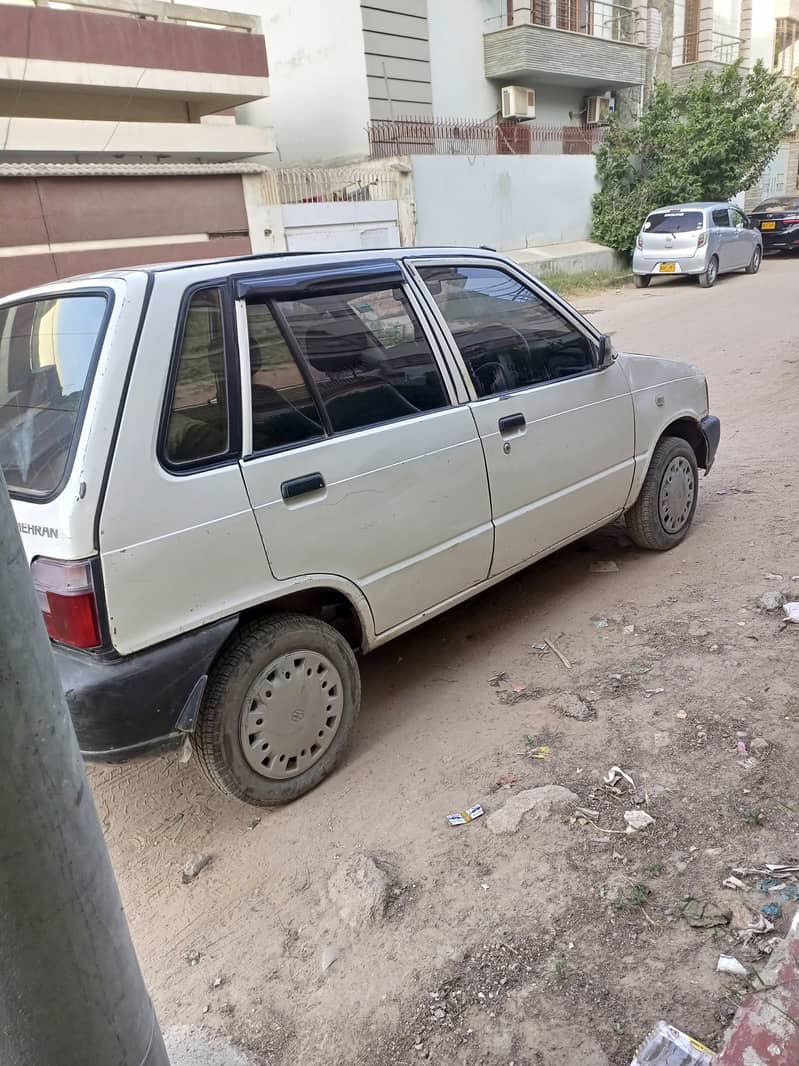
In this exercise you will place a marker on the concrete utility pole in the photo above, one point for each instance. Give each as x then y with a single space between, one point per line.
71 992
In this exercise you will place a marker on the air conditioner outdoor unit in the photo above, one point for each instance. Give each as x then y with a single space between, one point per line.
597 109
518 102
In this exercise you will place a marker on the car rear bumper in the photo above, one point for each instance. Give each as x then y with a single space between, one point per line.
124 706
779 242
694 264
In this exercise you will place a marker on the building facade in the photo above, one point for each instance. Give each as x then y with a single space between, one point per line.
338 67
711 34
119 137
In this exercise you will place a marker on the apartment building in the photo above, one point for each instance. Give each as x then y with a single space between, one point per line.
339 68
119 138
711 34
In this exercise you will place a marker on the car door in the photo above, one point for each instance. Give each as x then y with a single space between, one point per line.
726 239
557 432
357 460
746 238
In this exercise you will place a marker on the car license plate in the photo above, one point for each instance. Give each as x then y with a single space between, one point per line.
768 225
668 268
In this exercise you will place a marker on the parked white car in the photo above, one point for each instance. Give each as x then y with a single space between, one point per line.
231 476
700 239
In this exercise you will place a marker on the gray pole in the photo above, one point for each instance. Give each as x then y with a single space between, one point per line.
71 992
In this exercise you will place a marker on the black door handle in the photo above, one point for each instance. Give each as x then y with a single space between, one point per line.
510 422
299 486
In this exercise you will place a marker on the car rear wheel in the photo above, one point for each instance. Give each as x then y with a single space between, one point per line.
757 259
662 515
641 281
279 709
710 276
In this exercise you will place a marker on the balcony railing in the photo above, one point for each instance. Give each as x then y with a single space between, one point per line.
449 136
691 48
595 18
166 11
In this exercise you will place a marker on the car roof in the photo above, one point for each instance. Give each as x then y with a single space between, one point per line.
703 205
276 261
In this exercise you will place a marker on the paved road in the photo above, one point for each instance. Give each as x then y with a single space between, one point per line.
584 976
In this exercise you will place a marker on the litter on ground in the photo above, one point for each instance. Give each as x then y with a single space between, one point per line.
466 816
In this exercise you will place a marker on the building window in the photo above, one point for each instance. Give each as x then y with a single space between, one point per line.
786 52
690 41
575 15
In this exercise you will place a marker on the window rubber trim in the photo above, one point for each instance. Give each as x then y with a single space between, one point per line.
110 300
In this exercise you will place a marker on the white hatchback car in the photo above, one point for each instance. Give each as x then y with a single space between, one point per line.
232 475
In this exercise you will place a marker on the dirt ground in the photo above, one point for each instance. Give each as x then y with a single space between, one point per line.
560 944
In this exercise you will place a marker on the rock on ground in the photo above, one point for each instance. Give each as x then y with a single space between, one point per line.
570 705
540 802
359 889
771 601
196 1045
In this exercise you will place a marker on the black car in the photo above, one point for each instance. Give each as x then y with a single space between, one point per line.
778 221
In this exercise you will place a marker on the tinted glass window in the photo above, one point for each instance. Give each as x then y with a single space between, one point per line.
368 356
198 416
674 222
737 219
779 204
46 353
721 217
283 410
508 336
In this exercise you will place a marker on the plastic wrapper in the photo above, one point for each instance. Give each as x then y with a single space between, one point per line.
667 1046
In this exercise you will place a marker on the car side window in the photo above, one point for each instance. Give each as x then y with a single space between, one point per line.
508 335
197 427
283 410
737 218
721 217
367 356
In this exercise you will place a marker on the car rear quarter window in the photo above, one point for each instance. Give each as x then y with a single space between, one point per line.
721 217
367 356
197 427
674 222
48 349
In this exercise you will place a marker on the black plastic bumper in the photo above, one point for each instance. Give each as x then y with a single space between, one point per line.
711 431
124 706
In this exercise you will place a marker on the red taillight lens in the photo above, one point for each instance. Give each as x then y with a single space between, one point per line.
65 592
640 241
701 240
790 221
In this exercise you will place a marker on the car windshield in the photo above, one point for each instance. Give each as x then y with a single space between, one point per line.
777 205
47 350
674 222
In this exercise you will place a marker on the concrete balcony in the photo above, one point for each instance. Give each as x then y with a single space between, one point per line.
53 140
213 59
603 49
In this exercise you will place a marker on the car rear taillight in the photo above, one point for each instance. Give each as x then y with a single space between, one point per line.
640 241
790 221
701 240
66 595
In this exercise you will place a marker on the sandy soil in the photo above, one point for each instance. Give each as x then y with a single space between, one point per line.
537 948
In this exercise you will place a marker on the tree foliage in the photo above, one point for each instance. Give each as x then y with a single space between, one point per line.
708 141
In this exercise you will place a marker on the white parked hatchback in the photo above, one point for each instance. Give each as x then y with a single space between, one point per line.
230 476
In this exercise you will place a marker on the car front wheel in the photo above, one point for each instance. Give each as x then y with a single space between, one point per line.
641 281
662 515
279 709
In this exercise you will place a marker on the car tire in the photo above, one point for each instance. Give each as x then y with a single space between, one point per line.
757 259
641 281
245 742
662 515
710 276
